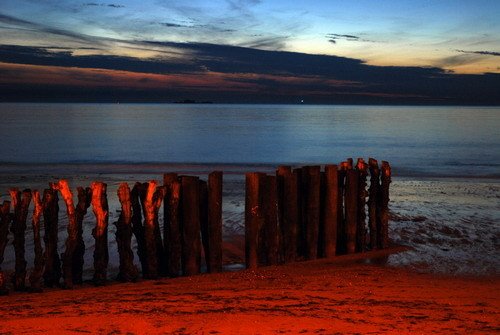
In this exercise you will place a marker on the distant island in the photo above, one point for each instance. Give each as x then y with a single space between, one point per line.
190 101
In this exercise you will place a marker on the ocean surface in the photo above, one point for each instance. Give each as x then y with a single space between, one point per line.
445 195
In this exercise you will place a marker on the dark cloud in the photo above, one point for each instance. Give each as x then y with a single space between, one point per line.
95 4
174 25
350 37
332 38
272 76
46 29
488 53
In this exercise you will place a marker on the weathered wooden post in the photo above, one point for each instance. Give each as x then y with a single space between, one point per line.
281 172
215 222
290 223
151 201
374 192
330 211
71 242
52 272
351 209
270 222
36 275
362 169
171 225
100 232
190 225
203 188
253 215
341 226
128 271
301 202
138 228
312 179
384 205
20 206
5 219
84 198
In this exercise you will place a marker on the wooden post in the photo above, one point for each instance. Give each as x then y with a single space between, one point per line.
84 198
253 214
20 206
215 222
151 201
203 187
5 219
138 228
362 169
281 172
172 233
374 192
67 257
52 272
312 179
384 206
36 275
128 271
190 225
330 211
271 229
100 232
341 227
290 224
351 210
301 229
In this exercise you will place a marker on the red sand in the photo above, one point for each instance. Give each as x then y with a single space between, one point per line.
345 295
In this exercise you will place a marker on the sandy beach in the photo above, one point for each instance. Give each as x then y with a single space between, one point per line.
354 294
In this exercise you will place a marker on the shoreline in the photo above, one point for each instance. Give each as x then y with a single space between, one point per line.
347 294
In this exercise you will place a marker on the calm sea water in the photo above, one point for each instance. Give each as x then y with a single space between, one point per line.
451 223
448 141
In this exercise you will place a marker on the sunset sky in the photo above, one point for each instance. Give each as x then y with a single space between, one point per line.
256 50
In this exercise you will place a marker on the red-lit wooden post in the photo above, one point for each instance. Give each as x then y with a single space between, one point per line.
84 199
281 172
253 215
374 193
138 228
172 234
384 205
270 228
191 243
52 272
100 232
330 211
351 211
215 221
312 179
5 219
362 169
20 205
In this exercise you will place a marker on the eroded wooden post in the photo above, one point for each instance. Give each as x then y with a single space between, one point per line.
384 205
36 275
171 233
290 224
270 208
374 193
215 222
128 271
362 169
312 179
191 243
5 219
253 214
84 199
151 203
301 202
341 227
203 187
71 242
281 172
100 232
52 272
330 211
351 209
20 205
138 228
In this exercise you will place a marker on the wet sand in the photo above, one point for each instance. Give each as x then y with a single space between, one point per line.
348 295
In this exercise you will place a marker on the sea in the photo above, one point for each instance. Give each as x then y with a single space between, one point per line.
445 194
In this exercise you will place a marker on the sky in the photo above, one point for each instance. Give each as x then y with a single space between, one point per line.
392 51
